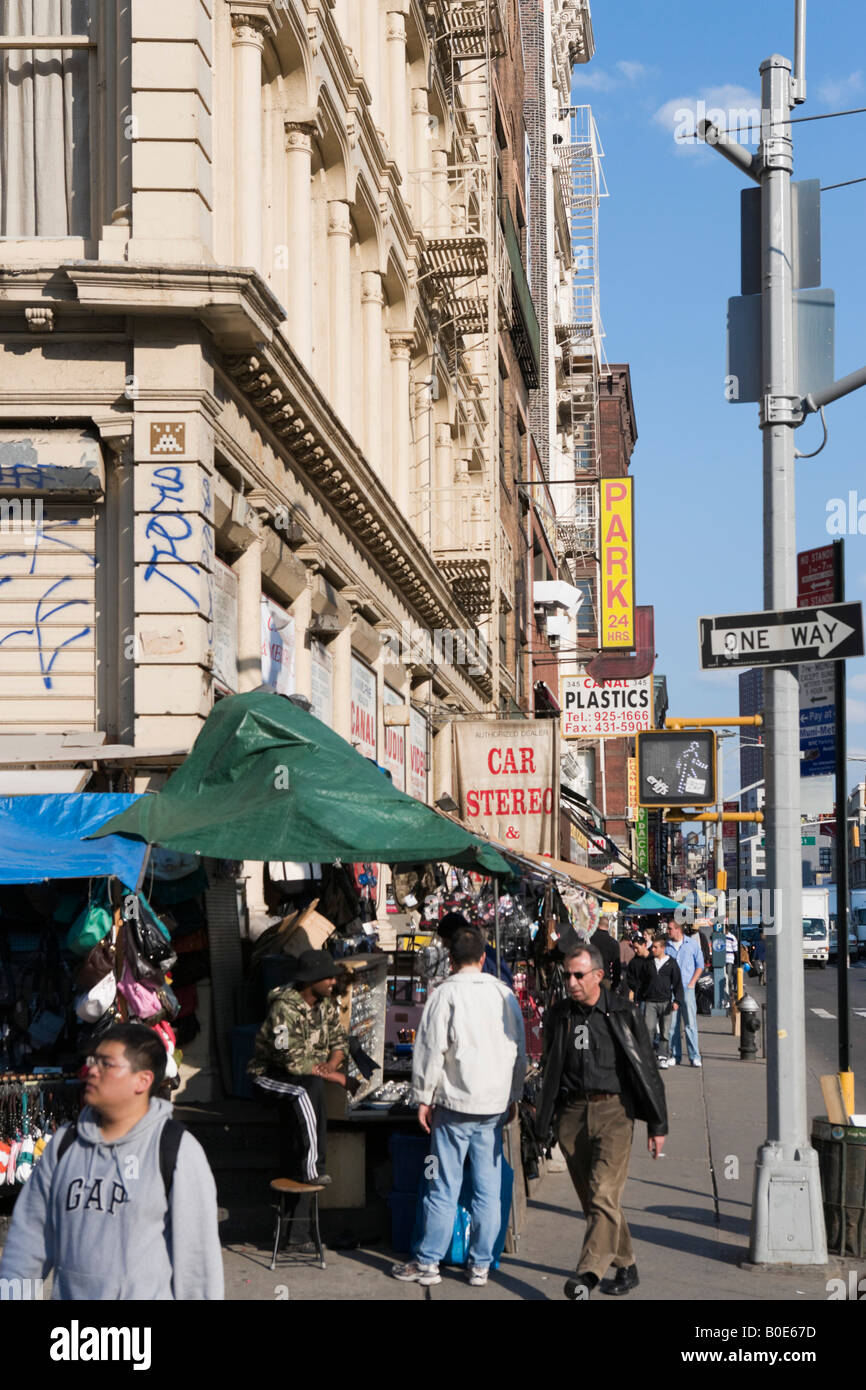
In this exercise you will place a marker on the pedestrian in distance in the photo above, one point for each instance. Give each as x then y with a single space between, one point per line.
600 1075
731 954
299 1050
469 1068
662 995
636 973
686 951
122 1205
608 949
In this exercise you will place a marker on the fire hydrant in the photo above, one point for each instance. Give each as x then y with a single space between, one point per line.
750 1023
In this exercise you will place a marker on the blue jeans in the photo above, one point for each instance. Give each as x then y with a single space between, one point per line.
454 1135
691 1023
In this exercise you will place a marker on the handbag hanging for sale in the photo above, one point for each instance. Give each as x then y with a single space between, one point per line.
152 941
92 925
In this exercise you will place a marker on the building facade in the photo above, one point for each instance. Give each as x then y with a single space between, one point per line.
267 351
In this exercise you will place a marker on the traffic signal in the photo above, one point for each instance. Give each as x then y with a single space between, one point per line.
676 768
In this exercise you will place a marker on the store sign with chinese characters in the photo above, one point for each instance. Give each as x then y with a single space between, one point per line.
225 627
631 808
606 709
322 677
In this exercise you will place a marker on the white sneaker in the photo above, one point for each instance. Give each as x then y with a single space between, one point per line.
698 1063
414 1273
477 1276
666 1062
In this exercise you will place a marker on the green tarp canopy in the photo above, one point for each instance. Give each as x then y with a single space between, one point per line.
265 780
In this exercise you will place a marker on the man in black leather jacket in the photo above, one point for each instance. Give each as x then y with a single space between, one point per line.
600 1075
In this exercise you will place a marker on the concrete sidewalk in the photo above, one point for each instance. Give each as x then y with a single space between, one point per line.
688 1213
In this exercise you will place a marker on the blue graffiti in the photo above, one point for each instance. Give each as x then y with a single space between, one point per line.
45 536
170 526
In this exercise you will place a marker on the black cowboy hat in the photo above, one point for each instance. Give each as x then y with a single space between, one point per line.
314 966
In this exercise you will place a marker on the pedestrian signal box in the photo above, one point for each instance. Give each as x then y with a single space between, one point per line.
676 768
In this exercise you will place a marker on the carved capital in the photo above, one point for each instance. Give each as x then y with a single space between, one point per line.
249 28
443 436
440 162
299 135
395 26
401 346
371 287
339 219
420 102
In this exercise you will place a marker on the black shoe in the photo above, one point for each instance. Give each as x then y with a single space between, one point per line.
579 1286
626 1279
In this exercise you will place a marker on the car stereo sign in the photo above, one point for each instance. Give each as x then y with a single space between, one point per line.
606 709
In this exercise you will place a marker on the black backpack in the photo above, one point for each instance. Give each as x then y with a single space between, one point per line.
169 1143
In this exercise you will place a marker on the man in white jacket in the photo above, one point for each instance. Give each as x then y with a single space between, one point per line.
468 1073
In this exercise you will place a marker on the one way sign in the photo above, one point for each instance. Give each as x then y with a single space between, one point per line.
829 633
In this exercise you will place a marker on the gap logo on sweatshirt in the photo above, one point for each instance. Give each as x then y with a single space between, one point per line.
76 1343
100 1195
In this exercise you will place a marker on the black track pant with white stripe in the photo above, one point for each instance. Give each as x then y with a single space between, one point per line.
300 1103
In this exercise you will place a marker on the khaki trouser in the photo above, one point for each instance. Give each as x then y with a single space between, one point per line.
595 1137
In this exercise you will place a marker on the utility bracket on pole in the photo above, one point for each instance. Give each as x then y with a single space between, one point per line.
780 410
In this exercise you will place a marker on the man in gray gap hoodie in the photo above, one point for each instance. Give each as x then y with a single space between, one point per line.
108 1217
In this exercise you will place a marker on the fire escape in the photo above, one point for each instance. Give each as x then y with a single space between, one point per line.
579 335
465 279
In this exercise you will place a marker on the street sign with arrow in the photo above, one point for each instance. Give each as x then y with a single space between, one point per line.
832 632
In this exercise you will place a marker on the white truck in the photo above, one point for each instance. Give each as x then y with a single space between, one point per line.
816 925
857 923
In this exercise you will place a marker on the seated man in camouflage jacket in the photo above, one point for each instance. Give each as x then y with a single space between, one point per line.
299 1048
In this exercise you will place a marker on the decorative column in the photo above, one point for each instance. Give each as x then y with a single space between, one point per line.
302 612
420 193
441 198
398 112
401 351
372 302
340 309
299 151
442 503
248 43
341 650
248 568
370 56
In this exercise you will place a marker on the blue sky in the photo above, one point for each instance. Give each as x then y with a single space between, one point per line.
669 260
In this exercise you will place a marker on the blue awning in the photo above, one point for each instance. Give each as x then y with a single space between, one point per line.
42 837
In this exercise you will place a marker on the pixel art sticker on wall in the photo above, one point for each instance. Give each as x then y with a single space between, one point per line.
167 439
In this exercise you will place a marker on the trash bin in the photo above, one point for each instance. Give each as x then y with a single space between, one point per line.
841 1153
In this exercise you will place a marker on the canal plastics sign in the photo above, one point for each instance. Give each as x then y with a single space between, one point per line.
605 709
617 564
506 780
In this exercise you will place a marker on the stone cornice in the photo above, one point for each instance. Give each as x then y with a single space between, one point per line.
237 307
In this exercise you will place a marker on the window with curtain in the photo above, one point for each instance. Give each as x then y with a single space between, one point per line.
45 117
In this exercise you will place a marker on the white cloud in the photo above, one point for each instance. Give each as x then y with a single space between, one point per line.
594 79
837 91
729 107
857 682
856 711
633 72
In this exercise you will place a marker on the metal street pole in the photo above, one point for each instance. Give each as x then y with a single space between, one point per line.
787 1213
846 1075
